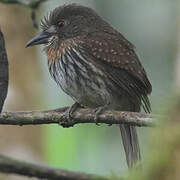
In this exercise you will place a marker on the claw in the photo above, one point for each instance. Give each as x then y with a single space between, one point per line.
96 119
67 119
98 111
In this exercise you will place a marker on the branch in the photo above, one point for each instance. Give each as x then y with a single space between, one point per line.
12 166
80 116
30 4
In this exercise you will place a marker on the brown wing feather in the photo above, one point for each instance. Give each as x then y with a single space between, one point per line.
119 53
121 64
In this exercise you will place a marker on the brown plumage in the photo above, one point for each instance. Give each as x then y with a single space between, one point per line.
95 65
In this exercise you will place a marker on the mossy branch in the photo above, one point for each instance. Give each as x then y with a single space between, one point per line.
79 117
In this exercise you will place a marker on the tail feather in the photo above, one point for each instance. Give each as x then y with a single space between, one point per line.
131 144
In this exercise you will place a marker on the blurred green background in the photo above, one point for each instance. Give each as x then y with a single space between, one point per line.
151 26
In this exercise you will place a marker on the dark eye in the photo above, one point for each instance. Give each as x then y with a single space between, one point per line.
60 24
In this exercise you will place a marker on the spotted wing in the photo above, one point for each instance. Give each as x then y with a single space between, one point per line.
122 64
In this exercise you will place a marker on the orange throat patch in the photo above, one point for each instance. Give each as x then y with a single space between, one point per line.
55 54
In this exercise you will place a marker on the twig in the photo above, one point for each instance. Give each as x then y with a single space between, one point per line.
30 4
33 17
80 116
12 166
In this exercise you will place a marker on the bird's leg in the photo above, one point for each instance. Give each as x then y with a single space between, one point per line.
66 119
98 111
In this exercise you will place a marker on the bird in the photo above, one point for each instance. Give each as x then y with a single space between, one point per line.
96 66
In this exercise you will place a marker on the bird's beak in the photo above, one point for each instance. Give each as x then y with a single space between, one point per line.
41 38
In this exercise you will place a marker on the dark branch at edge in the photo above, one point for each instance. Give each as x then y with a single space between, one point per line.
12 166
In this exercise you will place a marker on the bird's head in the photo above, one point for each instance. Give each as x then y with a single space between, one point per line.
66 22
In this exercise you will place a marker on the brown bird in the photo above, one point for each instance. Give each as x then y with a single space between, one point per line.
95 65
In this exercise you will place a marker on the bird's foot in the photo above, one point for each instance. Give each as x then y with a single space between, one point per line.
67 119
98 111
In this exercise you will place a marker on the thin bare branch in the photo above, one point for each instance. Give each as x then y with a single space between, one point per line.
31 4
12 166
79 117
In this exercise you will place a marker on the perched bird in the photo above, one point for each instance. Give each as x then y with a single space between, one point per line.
96 65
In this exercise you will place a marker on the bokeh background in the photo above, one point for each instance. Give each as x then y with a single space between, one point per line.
151 25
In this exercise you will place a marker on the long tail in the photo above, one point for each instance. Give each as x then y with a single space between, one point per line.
131 144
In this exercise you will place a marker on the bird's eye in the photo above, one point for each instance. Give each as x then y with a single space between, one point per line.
60 24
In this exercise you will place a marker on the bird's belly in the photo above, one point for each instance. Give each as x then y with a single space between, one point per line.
86 89
93 96
87 94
